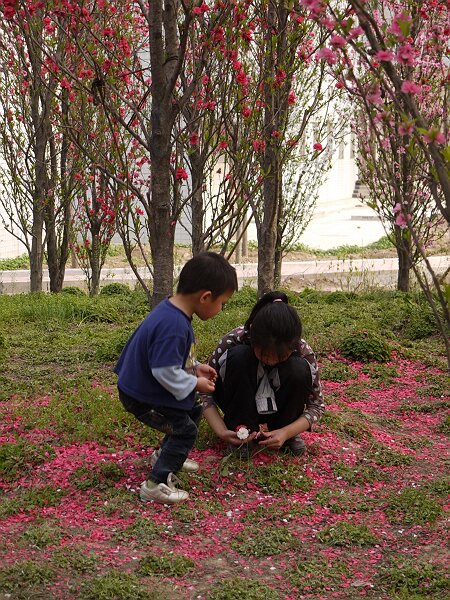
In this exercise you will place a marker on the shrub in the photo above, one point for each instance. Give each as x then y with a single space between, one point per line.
11 264
115 289
71 290
365 346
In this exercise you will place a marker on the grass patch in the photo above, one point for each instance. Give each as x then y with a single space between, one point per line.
24 576
75 558
358 474
166 565
26 500
279 476
413 507
424 407
444 425
142 532
16 458
41 535
102 475
385 457
253 541
347 535
116 585
317 575
339 502
346 424
409 577
337 371
263 514
242 588
380 374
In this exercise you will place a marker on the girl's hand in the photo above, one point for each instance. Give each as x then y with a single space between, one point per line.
272 439
205 385
206 371
230 437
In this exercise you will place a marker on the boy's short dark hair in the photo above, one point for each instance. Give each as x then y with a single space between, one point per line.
207 271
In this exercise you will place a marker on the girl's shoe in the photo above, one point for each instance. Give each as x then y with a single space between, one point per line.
163 493
189 466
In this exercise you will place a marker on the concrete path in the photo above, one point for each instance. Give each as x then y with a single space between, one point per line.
347 275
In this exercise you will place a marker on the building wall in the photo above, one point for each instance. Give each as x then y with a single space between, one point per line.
339 185
9 246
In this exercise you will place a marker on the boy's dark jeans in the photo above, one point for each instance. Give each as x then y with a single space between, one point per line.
180 427
236 394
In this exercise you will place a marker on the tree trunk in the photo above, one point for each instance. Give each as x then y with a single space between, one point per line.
37 254
403 247
197 212
94 284
161 230
267 232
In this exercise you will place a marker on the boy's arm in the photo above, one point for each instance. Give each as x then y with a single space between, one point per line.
179 383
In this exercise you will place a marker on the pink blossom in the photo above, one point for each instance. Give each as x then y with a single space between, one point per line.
338 41
316 7
326 54
406 55
401 221
374 96
292 99
409 87
384 55
401 25
355 32
317 146
258 145
406 128
246 111
434 135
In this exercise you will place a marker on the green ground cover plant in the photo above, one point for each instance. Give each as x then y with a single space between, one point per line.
345 518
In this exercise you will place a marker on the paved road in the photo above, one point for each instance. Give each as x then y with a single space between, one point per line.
348 274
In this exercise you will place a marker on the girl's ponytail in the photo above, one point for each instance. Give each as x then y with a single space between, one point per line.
263 301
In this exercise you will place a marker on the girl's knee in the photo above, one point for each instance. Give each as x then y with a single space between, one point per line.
297 371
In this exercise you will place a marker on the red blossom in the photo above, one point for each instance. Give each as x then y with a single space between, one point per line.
181 174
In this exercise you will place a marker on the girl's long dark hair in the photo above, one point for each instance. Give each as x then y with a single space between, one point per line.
273 324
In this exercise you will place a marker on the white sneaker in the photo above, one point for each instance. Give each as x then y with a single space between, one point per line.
190 466
165 494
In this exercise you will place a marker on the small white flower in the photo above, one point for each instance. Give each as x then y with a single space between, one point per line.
242 432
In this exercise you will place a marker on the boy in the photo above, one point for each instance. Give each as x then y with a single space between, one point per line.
158 373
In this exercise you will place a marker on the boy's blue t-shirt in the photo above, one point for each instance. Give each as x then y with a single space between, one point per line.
165 338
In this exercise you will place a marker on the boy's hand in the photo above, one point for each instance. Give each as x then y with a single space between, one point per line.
206 371
205 385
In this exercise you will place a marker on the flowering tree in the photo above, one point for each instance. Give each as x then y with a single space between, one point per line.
391 54
282 93
38 165
393 172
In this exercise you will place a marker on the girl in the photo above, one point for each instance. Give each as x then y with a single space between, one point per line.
267 380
